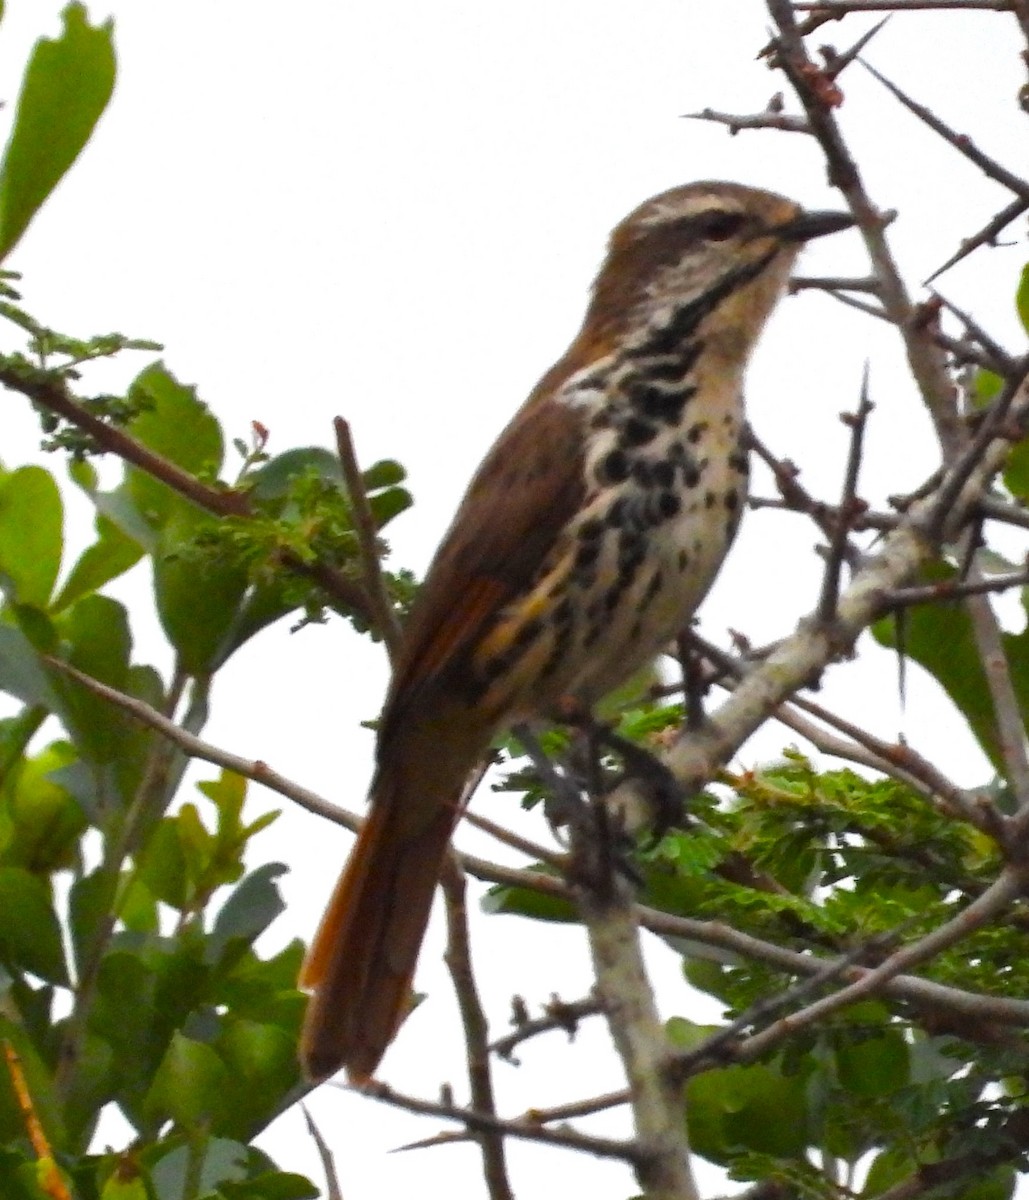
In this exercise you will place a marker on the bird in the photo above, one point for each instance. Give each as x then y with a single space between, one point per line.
583 545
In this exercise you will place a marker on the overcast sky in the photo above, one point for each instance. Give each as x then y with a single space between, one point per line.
393 211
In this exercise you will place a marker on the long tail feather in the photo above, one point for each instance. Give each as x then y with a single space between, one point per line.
360 964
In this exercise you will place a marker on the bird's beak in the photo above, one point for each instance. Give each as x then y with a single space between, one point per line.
810 225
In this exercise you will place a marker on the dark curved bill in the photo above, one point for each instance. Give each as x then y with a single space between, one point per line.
814 224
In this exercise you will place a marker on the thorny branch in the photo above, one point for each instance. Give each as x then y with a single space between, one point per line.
458 957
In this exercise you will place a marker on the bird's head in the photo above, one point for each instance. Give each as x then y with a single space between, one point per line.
721 250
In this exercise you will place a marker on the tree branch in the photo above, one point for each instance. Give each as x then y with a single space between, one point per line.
458 958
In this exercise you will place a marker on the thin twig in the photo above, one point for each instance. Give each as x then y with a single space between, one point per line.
837 63
931 593
557 1014
1004 511
1004 363
387 624
831 9
986 236
879 521
507 837
993 429
332 1188
483 1122
458 957
195 747
832 283
960 141
784 122
838 543
544 1116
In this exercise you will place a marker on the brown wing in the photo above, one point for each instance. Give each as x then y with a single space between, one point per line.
529 486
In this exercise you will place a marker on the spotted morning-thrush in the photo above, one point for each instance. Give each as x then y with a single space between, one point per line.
584 543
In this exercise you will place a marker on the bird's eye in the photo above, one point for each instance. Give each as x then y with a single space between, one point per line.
719 227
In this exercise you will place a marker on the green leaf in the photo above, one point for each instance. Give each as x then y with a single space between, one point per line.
198 592
251 908
97 629
21 674
873 1066
274 479
939 637
15 735
389 504
40 822
31 537
527 902
179 427
755 1108
127 1189
67 85
1022 298
224 1162
111 555
93 1084
162 865
383 474
30 934
272 1185
191 1085
90 900
262 1064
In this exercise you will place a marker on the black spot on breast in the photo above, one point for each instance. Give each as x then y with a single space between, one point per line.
613 467
641 472
637 433
738 461
669 369
661 405
684 560
587 555
670 504
731 500
691 474
591 529
662 474
710 500
696 432
631 547
562 614
615 515
653 587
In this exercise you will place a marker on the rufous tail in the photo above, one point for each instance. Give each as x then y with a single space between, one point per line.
360 965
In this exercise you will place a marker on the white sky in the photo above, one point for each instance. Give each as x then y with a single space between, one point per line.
393 211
